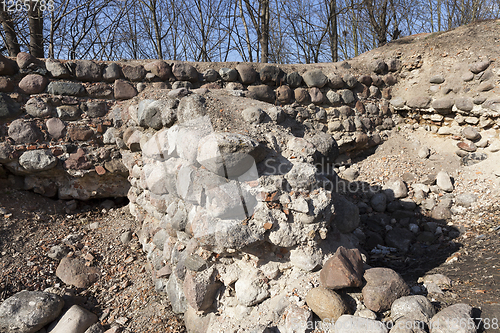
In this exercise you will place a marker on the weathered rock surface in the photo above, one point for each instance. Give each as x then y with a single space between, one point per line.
325 303
29 311
75 320
74 272
383 287
37 160
352 324
449 320
343 270
414 308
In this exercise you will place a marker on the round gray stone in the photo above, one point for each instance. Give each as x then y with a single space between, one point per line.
253 115
38 108
37 160
315 78
29 311
228 74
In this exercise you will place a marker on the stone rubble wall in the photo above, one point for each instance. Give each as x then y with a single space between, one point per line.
235 224
467 98
68 112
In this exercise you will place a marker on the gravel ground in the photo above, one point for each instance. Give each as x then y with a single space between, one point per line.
472 259
124 295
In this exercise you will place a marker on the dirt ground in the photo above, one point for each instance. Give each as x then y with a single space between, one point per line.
31 224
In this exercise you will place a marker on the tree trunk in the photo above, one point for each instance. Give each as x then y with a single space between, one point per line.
10 34
334 38
439 14
378 19
247 33
156 25
35 23
264 36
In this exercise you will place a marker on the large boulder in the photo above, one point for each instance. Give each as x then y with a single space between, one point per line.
33 84
38 108
343 270
160 69
191 108
29 311
87 70
246 73
124 90
185 72
66 88
315 78
73 271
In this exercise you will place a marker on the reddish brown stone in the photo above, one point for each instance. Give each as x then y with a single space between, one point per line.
78 161
343 270
467 146
284 94
33 84
124 90
360 107
100 170
387 93
74 272
302 96
78 133
56 151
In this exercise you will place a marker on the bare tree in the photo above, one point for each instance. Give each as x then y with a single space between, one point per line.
259 14
9 36
332 29
377 14
35 21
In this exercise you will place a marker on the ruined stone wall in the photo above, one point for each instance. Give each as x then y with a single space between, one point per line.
230 169
69 119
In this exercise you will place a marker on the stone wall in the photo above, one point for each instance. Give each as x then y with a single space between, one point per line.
73 115
231 172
